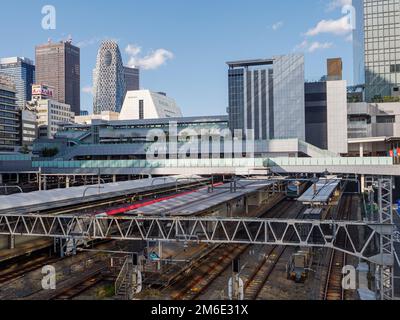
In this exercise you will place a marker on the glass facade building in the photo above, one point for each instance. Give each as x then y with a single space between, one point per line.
267 96
377 47
109 79
22 72
9 115
132 78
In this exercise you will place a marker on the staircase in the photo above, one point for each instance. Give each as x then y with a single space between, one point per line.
124 282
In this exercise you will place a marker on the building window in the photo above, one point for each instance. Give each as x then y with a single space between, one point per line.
394 68
386 119
141 109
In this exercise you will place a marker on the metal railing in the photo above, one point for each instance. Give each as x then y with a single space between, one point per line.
217 163
123 277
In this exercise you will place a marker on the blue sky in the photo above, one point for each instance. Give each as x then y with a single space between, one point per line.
182 45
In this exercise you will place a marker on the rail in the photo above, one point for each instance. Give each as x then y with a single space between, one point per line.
5 187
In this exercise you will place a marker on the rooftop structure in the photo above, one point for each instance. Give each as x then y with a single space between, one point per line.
144 104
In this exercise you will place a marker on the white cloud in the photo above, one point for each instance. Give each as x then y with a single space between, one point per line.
152 61
319 46
277 25
88 90
133 50
340 26
302 46
313 46
335 4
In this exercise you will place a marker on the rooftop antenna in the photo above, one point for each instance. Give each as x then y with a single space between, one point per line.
69 39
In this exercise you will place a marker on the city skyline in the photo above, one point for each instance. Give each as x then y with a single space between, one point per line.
168 55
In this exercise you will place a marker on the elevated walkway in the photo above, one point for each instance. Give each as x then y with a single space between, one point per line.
249 166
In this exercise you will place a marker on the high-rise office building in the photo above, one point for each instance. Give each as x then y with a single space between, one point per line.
22 72
267 96
9 115
58 66
108 79
377 47
132 80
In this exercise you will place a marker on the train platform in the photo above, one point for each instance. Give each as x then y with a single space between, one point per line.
26 203
200 201
320 192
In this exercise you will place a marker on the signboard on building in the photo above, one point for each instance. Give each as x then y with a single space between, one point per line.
42 90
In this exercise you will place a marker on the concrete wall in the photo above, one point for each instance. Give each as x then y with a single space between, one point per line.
337 116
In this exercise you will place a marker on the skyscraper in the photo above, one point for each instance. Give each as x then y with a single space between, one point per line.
108 79
267 96
58 66
9 115
377 47
22 72
131 76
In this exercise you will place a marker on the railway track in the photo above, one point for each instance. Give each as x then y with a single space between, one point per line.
193 284
27 266
78 289
333 289
257 280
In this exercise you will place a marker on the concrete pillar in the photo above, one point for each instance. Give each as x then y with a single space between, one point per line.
17 180
1 179
160 254
39 177
362 176
11 242
361 150
44 183
67 182
114 178
362 183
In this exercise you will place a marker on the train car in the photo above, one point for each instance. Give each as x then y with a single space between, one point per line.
295 189
299 265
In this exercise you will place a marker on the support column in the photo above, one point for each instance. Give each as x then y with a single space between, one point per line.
44 183
362 176
160 255
114 178
67 182
17 180
39 179
1 179
11 242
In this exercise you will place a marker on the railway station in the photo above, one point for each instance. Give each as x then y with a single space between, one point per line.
283 184
194 237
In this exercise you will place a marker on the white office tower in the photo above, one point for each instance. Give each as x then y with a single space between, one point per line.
108 79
